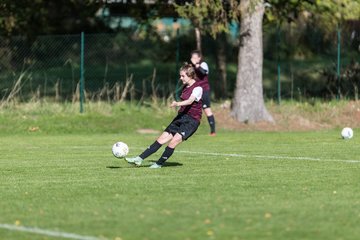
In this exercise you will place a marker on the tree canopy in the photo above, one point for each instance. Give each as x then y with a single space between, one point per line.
32 18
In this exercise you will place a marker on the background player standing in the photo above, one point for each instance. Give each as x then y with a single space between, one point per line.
184 124
202 72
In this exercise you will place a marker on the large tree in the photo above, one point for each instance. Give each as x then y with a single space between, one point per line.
248 103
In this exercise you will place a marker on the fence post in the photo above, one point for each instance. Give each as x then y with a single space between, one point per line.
278 64
82 73
177 97
338 67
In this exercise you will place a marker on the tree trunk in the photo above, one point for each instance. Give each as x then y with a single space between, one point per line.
221 83
198 38
248 103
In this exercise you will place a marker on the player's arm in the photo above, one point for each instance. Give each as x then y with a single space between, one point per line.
202 69
196 95
186 102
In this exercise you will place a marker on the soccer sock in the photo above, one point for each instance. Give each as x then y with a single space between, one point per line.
211 121
165 156
150 150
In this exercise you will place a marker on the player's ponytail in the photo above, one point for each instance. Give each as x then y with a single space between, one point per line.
189 70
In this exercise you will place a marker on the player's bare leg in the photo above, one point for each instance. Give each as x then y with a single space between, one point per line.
164 138
208 112
176 140
169 150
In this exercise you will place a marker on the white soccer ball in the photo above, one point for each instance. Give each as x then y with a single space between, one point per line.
120 149
347 133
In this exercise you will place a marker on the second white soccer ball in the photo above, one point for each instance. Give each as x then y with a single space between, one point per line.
347 133
120 149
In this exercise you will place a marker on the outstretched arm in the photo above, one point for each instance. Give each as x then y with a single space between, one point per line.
195 96
183 103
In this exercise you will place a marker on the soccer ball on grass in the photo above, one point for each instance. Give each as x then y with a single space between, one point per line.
347 133
120 149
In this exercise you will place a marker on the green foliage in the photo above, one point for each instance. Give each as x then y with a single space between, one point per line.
334 12
207 15
285 10
32 18
216 16
329 14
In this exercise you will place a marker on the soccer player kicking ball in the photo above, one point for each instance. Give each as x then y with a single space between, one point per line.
184 124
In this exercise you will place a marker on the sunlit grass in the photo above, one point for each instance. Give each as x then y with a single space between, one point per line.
274 186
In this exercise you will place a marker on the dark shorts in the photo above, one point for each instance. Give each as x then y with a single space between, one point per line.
206 99
183 124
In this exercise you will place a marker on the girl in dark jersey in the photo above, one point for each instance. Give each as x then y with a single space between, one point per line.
184 124
202 72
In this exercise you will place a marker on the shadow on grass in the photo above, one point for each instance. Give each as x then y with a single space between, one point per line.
167 164
113 167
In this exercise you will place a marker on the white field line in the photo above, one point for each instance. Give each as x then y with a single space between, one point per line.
304 158
47 232
269 157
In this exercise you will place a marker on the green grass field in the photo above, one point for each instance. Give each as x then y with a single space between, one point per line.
237 185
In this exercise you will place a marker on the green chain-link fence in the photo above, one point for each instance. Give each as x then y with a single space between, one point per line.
298 63
307 62
117 67
47 67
